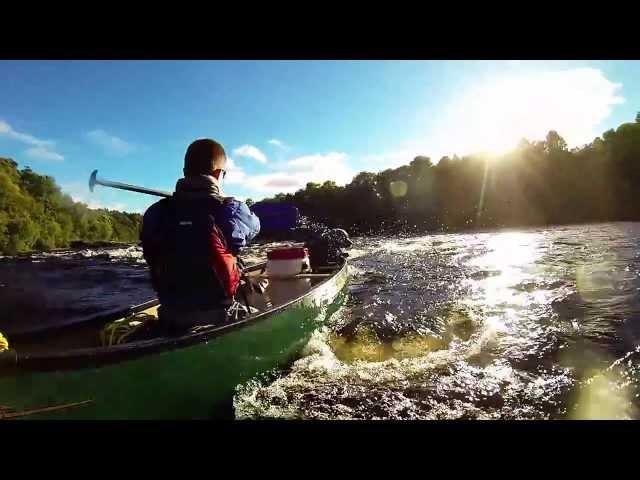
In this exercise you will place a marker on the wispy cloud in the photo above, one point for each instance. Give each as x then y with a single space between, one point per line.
41 150
110 143
41 153
278 143
250 151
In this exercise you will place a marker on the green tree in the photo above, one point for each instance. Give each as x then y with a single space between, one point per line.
555 143
35 214
539 182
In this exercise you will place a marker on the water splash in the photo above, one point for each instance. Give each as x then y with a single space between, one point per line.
483 325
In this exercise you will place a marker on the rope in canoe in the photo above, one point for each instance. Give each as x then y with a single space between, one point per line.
118 331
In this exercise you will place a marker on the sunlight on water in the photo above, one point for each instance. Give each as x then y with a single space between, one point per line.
411 245
533 324
509 250
501 325
511 256
510 325
368 347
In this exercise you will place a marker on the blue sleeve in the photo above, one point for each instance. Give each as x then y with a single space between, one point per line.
238 224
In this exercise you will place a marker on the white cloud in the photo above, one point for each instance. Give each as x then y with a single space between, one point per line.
250 151
235 174
110 143
299 171
278 143
42 153
495 114
7 130
41 150
231 164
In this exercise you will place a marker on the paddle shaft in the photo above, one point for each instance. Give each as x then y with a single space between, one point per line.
94 180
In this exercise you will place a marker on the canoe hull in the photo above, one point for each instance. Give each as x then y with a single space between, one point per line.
194 382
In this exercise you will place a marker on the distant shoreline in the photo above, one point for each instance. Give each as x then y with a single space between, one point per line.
80 245
76 245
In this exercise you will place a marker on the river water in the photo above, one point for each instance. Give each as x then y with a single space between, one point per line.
523 324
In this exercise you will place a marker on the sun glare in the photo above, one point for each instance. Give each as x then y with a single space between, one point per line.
494 115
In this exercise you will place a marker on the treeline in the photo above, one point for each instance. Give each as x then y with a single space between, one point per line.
36 215
538 183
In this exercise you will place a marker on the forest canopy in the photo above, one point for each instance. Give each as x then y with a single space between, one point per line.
537 183
36 215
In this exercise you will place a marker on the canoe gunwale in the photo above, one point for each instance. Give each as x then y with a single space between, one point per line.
98 356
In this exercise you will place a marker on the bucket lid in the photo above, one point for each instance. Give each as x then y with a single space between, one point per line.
289 253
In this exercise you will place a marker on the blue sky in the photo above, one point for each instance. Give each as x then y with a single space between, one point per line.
285 123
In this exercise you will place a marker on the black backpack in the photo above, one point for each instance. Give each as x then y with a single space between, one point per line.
187 277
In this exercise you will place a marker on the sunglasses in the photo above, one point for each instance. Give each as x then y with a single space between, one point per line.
221 175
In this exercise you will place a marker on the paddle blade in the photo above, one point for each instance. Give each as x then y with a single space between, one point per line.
92 180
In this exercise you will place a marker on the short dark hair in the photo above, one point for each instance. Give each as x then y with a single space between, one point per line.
202 156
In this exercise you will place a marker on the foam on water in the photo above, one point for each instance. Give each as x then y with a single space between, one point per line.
536 323
511 325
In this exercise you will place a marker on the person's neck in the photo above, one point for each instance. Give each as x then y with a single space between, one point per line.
199 184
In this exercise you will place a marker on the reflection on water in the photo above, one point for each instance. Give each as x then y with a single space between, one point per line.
538 323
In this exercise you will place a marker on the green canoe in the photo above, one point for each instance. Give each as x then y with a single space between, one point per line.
67 374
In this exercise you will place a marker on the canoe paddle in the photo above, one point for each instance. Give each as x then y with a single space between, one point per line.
94 180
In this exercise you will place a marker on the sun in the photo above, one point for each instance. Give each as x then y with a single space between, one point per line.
493 115
496 147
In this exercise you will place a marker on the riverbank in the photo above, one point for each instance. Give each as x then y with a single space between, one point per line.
74 246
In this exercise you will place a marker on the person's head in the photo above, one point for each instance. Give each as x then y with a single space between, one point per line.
205 157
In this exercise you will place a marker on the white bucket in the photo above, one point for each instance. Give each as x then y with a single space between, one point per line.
287 262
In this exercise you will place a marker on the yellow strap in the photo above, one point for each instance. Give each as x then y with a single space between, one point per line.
4 343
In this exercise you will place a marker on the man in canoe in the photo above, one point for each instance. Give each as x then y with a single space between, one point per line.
191 242
326 245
